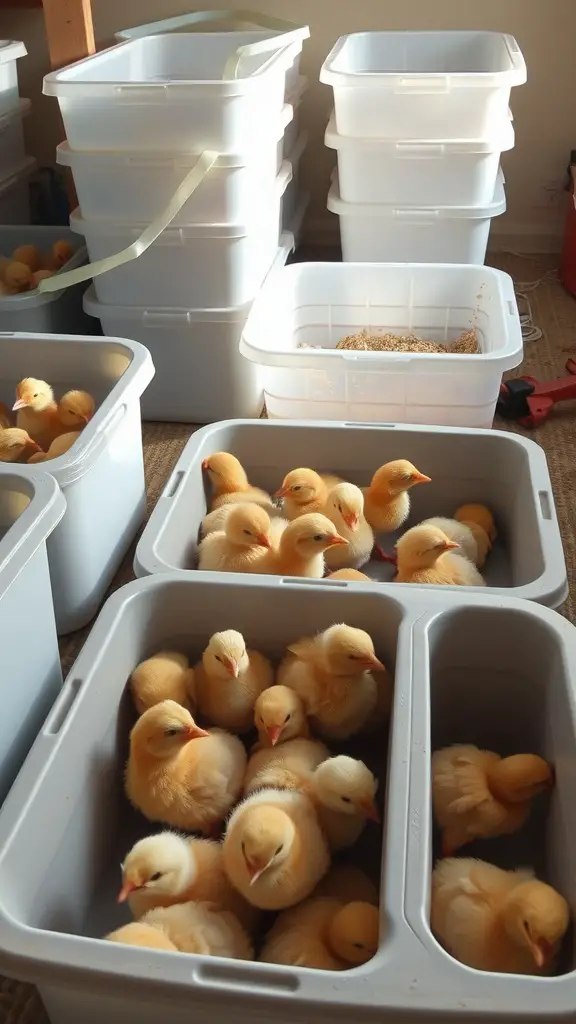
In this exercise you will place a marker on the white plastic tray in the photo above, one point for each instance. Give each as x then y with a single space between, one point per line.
10 51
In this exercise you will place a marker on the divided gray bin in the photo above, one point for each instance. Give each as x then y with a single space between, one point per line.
466 668
29 660
102 475
49 312
504 471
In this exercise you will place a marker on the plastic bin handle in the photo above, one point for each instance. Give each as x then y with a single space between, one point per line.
290 34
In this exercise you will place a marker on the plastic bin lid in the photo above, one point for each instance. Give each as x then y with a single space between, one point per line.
196 20
498 140
412 213
11 50
34 524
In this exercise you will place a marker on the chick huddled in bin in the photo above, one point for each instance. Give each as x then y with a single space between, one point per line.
37 428
27 266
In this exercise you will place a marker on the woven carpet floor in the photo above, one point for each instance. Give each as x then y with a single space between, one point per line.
554 311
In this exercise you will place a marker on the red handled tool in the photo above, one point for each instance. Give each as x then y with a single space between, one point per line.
528 401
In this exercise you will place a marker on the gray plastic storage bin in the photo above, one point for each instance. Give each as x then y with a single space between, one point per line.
102 475
504 471
49 312
67 824
15 194
29 661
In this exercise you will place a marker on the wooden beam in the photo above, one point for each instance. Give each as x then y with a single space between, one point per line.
69 30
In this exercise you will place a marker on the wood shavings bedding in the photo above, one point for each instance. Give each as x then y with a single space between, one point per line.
465 344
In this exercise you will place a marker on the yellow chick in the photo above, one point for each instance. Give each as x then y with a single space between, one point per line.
181 775
165 676
279 715
60 445
386 500
167 868
495 920
331 674
39 275
479 515
17 278
301 548
16 444
229 678
217 519
351 575
477 794
349 884
287 766
240 545
344 791
202 928
230 483
37 411
345 508
29 255
304 491
473 542
138 934
324 933
426 555
274 850
59 255
76 409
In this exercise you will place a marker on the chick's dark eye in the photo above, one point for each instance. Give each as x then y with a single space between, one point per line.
279 850
287 719
247 532
155 876
35 396
346 799
171 732
358 945
218 658
318 536
298 488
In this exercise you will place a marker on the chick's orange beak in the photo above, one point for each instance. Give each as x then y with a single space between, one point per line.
542 952
334 541
282 492
264 540
450 544
35 447
373 662
273 733
255 869
205 464
369 810
351 521
127 889
196 733
232 667
19 404
420 478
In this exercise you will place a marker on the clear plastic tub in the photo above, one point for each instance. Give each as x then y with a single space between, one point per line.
12 152
420 171
66 826
10 51
196 266
317 304
200 375
50 312
166 94
383 233
102 475
15 194
134 188
422 85
30 511
504 471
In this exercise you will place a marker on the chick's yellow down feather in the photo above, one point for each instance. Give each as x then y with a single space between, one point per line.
36 410
168 868
331 675
165 676
349 884
16 445
305 491
145 935
478 794
216 520
241 545
76 409
59 446
351 575
180 774
472 541
386 500
426 555
202 928
300 549
324 933
495 920
289 765
279 715
229 678
479 515
345 508
230 482
274 850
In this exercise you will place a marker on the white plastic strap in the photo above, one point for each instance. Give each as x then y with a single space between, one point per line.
264 46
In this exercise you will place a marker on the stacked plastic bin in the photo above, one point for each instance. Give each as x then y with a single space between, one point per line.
145 120
419 124
15 166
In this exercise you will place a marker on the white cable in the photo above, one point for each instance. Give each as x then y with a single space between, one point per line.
530 331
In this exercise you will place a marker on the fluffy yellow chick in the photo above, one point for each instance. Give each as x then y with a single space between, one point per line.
478 794
324 933
426 555
37 411
345 508
481 516
217 519
76 409
473 542
351 575
165 676
17 278
304 491
495 920
279 715
59 255
386 500
59 446
202 928
179 774
344 790
230 483
39 275
331 675
349 884
167 868
242 543
229 678
287 766
27 254
16 444
301 548
139 934
274 850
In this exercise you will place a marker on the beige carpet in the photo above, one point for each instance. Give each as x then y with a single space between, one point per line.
554 311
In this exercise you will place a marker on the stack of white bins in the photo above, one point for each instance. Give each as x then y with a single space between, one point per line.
419 125
15 166
137 118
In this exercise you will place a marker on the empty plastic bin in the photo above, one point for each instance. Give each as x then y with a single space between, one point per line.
166 94
30 511
66 826
422 85
200 375
51 312
209 265
12 138
381 233
9 54
299 317
504 471
15 193
429 172
102 475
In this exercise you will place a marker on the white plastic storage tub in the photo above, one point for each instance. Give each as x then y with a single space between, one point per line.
49 312
30 511
199 265
67 825
10 51
200 375
102 475
133 188
15 194
422 85
166 94
302 313
381 233
504 471
426 172
12 152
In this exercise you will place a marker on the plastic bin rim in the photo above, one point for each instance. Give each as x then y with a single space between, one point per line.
11 49
171 25
375 210
499 140
33 299
34 525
